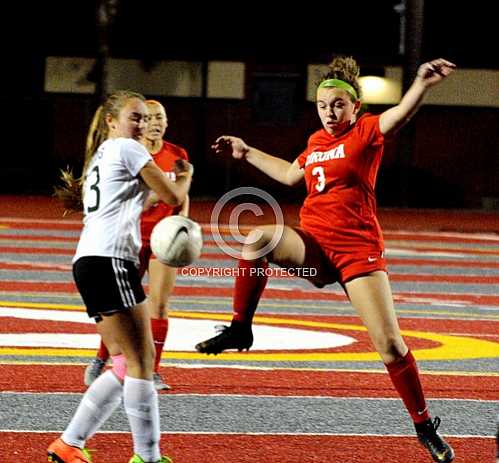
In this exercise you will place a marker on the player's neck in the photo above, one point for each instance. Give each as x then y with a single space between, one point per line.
153 146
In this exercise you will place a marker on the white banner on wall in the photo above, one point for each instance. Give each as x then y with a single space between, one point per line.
164 78
226 79
465 87
68 75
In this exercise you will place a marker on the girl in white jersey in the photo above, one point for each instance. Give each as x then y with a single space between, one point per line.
117 173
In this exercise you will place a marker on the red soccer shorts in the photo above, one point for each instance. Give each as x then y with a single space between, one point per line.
338 266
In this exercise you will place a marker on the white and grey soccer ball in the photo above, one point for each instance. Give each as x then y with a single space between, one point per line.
176 241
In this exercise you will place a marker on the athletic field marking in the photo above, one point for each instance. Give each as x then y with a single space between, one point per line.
310 398
214 433
184 334
449 347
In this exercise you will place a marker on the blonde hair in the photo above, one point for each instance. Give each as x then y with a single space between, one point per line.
157 103
70 193
154 102
344 68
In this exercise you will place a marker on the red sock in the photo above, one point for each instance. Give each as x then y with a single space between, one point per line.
103 353
159 331
250 282
405 377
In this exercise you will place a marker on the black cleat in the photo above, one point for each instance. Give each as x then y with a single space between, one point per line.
427 433
236 336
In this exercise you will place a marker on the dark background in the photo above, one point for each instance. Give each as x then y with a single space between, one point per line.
453 160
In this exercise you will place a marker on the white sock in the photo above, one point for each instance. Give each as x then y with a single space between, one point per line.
96 406
141 405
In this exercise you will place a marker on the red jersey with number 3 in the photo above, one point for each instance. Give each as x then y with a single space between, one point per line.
165 159
340 174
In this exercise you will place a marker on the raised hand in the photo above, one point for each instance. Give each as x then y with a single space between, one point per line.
230 145
434 71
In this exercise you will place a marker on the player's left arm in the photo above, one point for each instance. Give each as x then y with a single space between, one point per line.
179 166
172 193
185 207
151 200
429 74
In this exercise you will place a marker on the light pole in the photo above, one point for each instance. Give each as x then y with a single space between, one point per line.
410 46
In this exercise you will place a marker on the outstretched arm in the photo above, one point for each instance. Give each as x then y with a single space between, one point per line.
283 171
429 74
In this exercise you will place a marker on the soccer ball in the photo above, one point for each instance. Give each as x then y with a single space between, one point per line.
176 241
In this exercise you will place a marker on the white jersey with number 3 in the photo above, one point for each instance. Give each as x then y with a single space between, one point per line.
113 198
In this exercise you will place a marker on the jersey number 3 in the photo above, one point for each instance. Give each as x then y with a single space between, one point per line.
318 172
94 178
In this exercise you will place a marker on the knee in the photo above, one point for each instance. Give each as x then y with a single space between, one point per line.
144 365
257 238
158 309
255 241
141 364
390 347
162 312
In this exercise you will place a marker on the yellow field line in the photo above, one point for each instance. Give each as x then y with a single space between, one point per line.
450 347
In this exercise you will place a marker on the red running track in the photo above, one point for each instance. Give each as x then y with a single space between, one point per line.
22 447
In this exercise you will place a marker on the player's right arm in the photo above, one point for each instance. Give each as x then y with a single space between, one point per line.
279 169
172 193
283 171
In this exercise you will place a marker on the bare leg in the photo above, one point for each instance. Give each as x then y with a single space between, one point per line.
250 283
371 297
161 283
129 333
289 250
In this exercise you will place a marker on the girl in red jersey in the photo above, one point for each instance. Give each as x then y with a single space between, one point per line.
161 277
339 234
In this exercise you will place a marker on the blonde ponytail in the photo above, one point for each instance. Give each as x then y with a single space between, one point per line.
70 192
